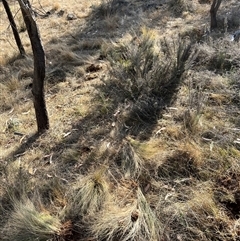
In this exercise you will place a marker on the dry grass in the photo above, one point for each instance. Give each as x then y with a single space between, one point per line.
89 195
142 69
26 223
133 222
180 7
144 124
198 218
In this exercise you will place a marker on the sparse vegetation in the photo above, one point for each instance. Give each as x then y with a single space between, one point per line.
144 109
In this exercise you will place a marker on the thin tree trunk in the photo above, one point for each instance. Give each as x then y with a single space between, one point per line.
14 28
39 67
213 13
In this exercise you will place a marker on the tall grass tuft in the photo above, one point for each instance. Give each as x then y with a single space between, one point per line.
146 74
28 224
129 161
134 222
148 67
89 196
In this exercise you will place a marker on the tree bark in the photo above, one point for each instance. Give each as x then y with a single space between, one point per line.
14 27
213 13
39 67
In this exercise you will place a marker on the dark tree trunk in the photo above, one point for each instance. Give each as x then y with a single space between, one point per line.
39 67
213 13
14 27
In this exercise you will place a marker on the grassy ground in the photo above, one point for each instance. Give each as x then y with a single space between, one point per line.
144 109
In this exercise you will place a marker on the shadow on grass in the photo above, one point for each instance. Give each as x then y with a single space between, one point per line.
107 22
138 117
123 116
26 144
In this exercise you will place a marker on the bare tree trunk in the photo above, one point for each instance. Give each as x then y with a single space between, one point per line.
213 13
14 28
39 67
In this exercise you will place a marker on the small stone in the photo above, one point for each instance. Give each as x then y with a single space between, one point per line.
60 13
71 16
134 216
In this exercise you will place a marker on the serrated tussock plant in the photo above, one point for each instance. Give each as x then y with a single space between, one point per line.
148 67
129 161
28 223
89 196
134 222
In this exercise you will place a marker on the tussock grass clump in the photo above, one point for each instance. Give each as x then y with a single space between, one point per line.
28 223
13 84
89 196
195 98
55 76
129 160
146 74
191 120
183 163
53 193
228 186
5 99
9 58
233 77
218 56
135 222
131 64
90 44
108 8
104 103
141 67
147 149
180 6
200 217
